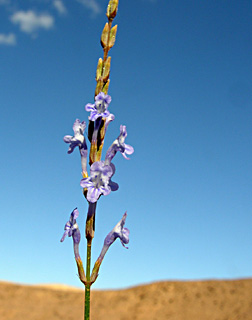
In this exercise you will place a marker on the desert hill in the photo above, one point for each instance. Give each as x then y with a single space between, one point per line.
170 300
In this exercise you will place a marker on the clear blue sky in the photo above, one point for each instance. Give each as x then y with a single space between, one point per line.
181 81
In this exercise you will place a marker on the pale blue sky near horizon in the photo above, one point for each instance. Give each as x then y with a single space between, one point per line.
181 81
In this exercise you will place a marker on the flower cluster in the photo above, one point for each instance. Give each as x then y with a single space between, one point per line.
98 182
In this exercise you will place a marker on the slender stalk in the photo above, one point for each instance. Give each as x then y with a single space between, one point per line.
87 286
90 227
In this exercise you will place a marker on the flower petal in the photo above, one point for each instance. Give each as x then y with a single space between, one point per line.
86 183
67 139
79 127
113 186
93 116
105 190
75 213
89 107
93 194
124 155
125 237
64 236
128 149
108 99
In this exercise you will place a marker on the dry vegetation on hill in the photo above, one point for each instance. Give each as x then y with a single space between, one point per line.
195 300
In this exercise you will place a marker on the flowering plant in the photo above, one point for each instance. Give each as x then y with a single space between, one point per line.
98 182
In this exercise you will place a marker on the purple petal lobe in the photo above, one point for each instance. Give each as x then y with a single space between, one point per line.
113 186
89 107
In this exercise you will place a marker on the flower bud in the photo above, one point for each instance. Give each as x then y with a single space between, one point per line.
106 69
112 36
99 69
104 36
112 9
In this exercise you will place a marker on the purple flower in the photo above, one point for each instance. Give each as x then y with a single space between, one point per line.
119 145
118 232
78 139
72 229
99 108
99 181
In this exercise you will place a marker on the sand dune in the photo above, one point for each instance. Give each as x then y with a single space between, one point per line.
195 300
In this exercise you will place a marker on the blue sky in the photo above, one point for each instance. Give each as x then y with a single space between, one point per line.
181 83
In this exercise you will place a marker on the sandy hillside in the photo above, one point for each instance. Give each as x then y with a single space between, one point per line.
198 300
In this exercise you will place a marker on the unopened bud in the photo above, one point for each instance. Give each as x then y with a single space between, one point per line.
106 69
99 69
112 36
112 9
104 36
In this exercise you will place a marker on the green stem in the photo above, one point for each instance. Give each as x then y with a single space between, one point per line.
87 286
